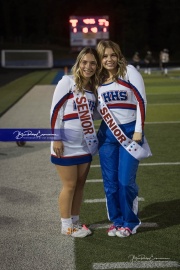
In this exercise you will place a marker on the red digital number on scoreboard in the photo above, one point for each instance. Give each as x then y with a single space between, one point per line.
85 25
86 30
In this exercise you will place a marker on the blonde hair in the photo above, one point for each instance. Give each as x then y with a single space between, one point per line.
121 65
94 80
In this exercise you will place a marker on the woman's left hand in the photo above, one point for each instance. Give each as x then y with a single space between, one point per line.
137 137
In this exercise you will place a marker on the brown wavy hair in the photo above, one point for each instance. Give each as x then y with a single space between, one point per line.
94 80
122 63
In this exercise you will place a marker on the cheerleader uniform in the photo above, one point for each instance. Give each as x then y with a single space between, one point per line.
65 120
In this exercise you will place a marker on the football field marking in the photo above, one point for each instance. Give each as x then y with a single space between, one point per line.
160 164
152 123
166 122
94 181
137 264
164 104
140 199
149 164
98 226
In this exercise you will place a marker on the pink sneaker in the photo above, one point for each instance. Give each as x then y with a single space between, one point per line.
112 230
80 230
124 232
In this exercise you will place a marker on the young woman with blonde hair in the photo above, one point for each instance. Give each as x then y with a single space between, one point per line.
72 108
122 105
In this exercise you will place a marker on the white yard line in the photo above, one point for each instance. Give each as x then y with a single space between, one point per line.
94 181
106 226
149 164
159 94
140 199
163 104
166 122
137 264
160 164
152 123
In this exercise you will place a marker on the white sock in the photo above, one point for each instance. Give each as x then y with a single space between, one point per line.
66 222
75 219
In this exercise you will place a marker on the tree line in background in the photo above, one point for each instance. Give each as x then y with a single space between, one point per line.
137 25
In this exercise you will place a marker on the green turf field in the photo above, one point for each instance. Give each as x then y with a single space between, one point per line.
157 243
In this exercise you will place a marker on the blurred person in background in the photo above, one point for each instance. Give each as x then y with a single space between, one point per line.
164 60
136 61
148 62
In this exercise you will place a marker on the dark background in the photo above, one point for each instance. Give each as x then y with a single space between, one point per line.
137 25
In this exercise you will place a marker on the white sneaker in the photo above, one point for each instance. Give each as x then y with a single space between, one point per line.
112 230
67 230
80 231
124 232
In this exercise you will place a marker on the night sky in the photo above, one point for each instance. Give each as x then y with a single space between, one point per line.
137 25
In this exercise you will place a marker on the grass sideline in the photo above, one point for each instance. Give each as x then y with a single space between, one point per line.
158 184
12 92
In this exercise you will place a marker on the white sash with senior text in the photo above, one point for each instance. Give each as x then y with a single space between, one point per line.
86 122
133 148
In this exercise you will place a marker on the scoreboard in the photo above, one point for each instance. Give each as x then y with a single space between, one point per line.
87 30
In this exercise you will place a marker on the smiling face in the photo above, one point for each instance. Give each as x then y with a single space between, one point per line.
88 66
110 60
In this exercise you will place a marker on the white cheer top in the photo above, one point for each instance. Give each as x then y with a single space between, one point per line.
126 99
64 112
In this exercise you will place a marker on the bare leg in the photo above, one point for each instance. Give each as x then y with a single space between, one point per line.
70 198
68 176
82 172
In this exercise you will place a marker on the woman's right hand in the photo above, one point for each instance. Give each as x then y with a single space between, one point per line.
58 148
